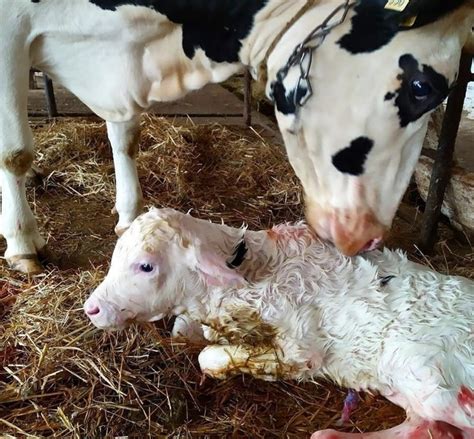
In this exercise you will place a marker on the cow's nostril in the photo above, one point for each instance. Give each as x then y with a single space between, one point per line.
93 311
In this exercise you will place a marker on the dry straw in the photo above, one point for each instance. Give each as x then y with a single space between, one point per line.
60 377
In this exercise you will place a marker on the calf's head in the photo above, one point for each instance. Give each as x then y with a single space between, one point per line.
355 142
164 256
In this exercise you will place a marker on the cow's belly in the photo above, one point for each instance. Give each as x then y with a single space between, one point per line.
174 75
119 78
108 77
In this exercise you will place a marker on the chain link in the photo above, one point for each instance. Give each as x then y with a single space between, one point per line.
302 55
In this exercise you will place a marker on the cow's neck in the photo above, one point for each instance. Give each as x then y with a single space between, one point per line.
269 24
206 60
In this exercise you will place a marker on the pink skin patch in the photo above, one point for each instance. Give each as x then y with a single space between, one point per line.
448 431
289 232
407 430
327 435
436 430
350 404
466 400
315 361
372 245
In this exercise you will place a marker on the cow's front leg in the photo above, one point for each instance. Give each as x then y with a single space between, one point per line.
124 138
222 361
18 224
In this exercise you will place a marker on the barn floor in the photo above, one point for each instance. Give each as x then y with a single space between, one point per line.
60 377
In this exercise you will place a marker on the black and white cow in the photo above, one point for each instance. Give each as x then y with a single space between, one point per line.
353 141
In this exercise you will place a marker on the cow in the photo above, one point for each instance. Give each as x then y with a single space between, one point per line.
353 84
280 303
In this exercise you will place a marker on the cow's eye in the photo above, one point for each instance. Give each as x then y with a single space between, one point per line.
421 89
146 268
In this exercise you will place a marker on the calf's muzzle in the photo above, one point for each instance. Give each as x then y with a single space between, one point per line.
104 314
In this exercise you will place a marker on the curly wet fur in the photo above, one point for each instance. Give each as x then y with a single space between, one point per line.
318 312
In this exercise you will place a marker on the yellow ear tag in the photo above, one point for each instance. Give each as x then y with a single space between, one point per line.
397 5
409 22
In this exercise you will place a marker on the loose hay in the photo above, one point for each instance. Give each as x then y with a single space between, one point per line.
61 377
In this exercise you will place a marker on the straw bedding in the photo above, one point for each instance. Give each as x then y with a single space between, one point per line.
61 377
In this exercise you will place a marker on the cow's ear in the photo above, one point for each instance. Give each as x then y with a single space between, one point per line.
215 271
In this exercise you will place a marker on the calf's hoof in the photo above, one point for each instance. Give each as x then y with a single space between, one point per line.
27 264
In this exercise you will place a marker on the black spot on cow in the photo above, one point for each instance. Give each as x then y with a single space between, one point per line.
286 101
370 29
428 11
389 96
216 26
420 90
351 160
373 26
35 1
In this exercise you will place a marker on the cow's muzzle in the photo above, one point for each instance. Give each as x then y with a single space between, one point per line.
352 231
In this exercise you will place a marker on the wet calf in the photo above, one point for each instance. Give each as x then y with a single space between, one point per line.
280 303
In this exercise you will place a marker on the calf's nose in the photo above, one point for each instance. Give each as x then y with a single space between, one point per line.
91 308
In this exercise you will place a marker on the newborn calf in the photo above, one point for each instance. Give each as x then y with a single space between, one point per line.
280 303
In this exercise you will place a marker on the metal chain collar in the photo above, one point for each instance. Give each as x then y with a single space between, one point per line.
302 55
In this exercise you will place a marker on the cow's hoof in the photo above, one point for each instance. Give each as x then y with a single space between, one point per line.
35 176
44 255
28 264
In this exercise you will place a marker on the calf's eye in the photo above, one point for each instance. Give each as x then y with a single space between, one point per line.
421 90
146 268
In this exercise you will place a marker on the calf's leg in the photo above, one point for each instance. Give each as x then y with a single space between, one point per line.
124 138
18 225
454 408
222 361
410 429
186 327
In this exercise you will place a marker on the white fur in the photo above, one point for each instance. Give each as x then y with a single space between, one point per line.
410 340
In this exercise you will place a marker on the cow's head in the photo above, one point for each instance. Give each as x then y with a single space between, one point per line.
355 142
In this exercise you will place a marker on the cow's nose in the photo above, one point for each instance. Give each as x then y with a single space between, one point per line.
91 308
354 234
351 232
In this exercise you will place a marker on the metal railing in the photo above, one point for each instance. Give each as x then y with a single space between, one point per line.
443 164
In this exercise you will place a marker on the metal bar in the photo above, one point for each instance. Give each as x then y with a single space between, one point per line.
31 79
247 98
442 165
50 99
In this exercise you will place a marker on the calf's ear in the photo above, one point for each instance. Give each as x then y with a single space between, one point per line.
215 271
